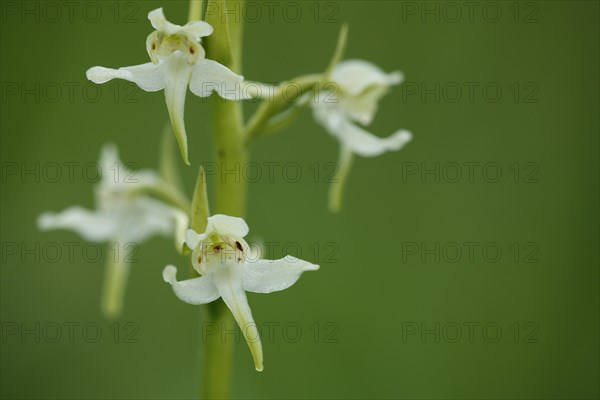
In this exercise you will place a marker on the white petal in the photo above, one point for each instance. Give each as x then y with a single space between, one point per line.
159 21
222 224
177 77
226 225
148 77
199 290
135 218
209 76
117 177
114 170
363 107
229 282
357 75
141 218
266 276
193 238
109 156
198 29
181 223
359 140
92 226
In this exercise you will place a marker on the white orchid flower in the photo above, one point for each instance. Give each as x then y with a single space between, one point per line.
221 256
359 85
178 61
123 215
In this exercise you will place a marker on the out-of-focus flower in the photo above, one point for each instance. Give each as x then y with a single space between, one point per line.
125 214
358 87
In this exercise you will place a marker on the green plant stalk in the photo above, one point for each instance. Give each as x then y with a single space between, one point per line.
225 46
230 199
116 275
195 12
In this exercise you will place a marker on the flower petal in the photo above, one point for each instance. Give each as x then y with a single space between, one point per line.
226 225
141 218
198 29
109 156
148 77
222 224
181 223
358 140
116 175
229 282
357 75
193 238
199 290
177 77
159 21
209 76
92 226
266 276
363 107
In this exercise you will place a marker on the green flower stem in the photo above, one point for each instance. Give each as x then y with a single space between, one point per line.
287 94
336 188
225 46
232 156
230 199
195 13
218 354
287 102
116 274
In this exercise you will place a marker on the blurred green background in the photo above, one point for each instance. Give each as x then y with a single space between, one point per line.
386 309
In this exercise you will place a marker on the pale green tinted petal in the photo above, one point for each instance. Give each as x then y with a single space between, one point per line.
193 238
358 140
229 282
200 211
266 276
336 189
92 226
159 21
226 225
177 72
356 75
148 77
168 161
181 224
199 290
209 76
198 29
